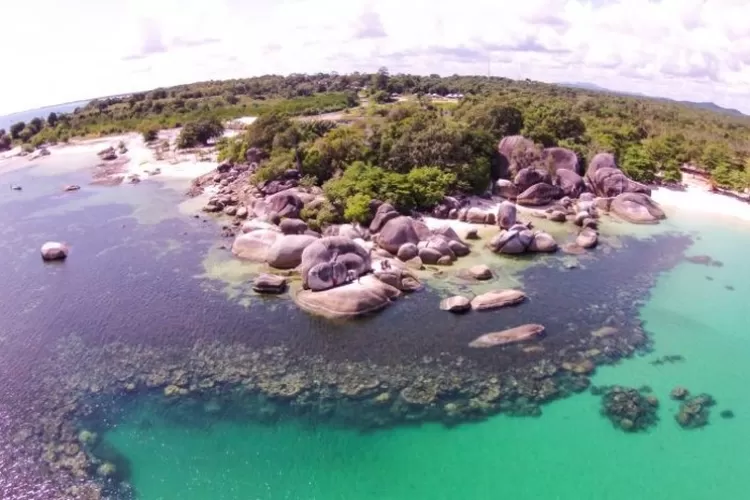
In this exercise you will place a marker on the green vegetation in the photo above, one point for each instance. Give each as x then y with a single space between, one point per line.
651 138
199 132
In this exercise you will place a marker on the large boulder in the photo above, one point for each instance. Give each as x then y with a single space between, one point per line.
293 226
255 244
570 182
52 250
480 272
430 256
383 214
506 215
350 231
269 283
439 243
255 224
510 336
637 208
407 251
285 204
542 242
360 297
396 232
332 261
396 275
476 215
562 159
529 176
610 182
513 241
286 252
539 194
497 299
510 148
506 189
601 160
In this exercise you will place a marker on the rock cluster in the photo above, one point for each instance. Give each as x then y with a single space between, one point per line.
695 411
534 177
629 409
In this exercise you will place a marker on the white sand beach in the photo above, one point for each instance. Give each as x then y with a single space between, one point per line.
697 197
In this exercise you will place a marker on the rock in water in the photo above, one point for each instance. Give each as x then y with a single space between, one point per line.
407 251
480 272
72 187
637 208
587 238
269 283
497 299
358 298
628 409
543 242
53 250
510 336
255 244
286 251
455 304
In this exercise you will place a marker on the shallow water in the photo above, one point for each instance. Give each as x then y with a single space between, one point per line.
146 275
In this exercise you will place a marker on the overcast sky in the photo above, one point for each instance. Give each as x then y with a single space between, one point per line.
57 51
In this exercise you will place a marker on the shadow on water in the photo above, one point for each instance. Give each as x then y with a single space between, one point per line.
127 304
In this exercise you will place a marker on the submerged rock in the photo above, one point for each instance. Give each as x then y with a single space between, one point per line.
587 238
455 304
269 283
366 295
497 299
628 409
480 272
694 412
53 250
521 333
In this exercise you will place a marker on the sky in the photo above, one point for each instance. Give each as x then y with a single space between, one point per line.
56 52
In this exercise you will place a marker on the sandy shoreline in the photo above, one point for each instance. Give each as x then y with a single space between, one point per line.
697 198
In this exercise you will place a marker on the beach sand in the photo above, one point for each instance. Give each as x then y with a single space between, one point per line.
698 198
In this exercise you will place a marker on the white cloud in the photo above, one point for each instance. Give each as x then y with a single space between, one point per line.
685 49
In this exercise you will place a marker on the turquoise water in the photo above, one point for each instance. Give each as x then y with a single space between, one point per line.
571 452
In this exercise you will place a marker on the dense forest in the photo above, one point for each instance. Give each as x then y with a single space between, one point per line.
451 141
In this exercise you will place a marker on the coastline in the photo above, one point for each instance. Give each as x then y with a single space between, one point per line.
696 197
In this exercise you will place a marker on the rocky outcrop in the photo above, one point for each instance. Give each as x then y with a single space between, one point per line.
285 204
530 176
293 226
539 194
254 245
610 182
360 297
637 208
506 215
384 213
332 261
510 148
286 251
407 251
497 299
561 159
396 275
455 304
396 232
476 215
519 239
570 182
53 250
506 189
269 284
521 333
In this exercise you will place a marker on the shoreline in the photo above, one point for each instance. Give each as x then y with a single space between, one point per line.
697 198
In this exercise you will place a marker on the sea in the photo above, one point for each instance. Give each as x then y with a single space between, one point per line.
145 365
25 116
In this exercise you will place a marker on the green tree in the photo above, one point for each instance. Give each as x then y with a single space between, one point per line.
638 164
15 130
52 119
199 132
35 125
5 142
380 79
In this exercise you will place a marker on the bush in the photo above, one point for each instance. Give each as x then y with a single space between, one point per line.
199 132
275 167
320 216
149 131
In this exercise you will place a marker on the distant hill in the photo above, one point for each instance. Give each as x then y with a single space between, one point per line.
703 105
